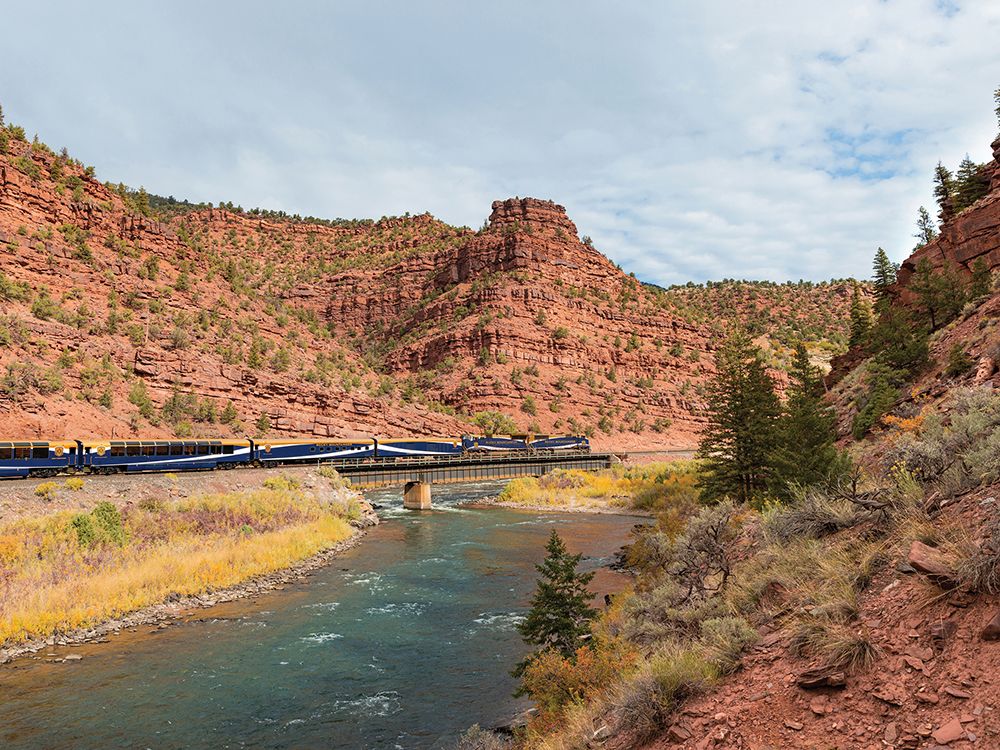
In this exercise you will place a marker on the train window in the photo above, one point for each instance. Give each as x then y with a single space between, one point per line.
117 450
133 449
163 449
40 451
227 450
188 449
216 450
6 452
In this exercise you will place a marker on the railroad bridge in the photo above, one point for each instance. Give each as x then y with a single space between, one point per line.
417 475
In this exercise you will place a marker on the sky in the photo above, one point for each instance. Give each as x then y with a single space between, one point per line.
775 140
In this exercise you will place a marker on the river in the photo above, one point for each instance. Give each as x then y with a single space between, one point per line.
403 642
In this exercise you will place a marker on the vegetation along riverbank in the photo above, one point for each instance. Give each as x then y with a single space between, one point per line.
70 576
645 490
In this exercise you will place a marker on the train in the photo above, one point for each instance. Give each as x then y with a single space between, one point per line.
46 458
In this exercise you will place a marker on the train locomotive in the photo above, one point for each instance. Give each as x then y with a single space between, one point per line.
45 458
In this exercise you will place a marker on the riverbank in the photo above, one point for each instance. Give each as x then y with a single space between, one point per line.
571 505
74 578
647 490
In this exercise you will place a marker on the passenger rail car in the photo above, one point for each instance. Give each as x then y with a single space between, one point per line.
44 458
113 456
50 457
272 452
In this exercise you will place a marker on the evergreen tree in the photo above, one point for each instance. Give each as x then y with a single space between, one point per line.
899 343
944 187
982 279
806 453
738 445
861 318
996 99
939 293
2 123
560 612
971 184
884 276
881 395
926 230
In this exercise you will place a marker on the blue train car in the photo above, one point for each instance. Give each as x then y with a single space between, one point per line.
37 458
495 443
112 456
419 447
317 451
560 443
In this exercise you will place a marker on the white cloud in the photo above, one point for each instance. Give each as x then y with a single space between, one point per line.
691 141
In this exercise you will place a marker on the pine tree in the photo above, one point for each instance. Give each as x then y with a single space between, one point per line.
806 453
560 612
899 343
982 279
926 230
944 187
263 425
861 319
971 184
738 444
939 293
881 396
996 99
884 276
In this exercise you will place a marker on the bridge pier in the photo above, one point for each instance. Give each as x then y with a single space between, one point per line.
417 496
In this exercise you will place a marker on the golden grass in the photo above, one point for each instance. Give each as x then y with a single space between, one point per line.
54 582
653 487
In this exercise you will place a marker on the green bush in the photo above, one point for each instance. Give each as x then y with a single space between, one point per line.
103 525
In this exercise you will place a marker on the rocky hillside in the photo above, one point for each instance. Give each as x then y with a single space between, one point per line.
129 315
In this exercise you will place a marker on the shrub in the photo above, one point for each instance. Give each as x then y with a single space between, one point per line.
282 483
811 516
43 306
228 415
74 483
838 644
725 639
560 333
47 490
959 449
263 425
139 396
978 566
959 361
528 406
494 423
476 738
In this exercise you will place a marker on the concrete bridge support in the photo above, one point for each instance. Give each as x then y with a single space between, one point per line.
417 496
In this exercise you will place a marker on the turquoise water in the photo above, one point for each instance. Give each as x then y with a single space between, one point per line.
402 642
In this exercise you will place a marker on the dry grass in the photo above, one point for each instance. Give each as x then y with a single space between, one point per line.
64 571
836 643
651 487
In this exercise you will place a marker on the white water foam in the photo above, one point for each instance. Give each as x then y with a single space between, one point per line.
321 637
499 620
398 609
383 703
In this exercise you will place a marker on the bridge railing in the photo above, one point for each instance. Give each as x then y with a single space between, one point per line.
466 469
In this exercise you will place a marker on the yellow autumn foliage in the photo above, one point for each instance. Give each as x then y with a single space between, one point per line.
61 575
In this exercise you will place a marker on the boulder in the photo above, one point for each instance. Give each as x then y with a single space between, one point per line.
927 560
992 630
